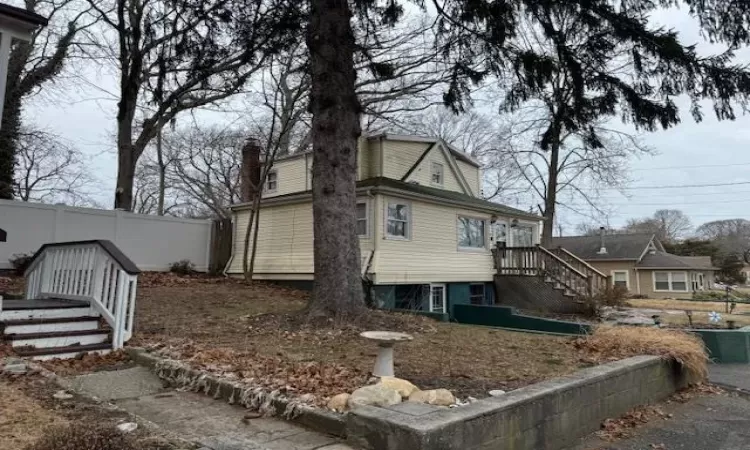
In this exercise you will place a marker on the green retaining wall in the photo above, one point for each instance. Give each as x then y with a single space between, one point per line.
506 317
726 346
441 317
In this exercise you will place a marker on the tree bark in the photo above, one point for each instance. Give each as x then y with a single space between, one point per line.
337 291
8 144
550 200
162 174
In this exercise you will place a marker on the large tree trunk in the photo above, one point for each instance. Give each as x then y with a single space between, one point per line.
550 200
162 174
335 129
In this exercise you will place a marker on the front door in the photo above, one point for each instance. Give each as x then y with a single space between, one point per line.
437 298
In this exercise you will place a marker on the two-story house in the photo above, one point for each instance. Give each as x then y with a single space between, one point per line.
425 232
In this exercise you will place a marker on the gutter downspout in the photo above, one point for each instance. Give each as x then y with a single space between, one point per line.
637 280
375 240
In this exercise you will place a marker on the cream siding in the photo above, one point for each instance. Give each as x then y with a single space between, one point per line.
285 241
400 156
363 159
291 177
423 172
646 277
472 175
607 267
431 254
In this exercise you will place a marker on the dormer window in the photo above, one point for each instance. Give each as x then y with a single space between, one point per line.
436 173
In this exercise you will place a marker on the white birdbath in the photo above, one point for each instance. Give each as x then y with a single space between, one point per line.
385 340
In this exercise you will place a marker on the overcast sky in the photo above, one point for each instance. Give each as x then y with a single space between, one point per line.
710 152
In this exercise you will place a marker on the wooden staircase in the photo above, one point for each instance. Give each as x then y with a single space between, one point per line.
80 298
563 271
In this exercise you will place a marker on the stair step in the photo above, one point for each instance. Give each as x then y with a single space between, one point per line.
58 338
42 303
49 325
70 351
44 313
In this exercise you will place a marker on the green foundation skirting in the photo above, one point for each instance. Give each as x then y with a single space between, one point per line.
726 346
506 317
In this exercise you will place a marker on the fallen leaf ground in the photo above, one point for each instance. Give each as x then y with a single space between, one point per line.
256 332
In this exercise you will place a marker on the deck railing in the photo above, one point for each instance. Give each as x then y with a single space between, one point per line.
538 261
93 271
599 280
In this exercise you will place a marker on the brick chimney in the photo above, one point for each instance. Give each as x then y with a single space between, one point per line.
250 169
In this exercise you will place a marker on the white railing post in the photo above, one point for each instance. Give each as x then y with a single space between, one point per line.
119 306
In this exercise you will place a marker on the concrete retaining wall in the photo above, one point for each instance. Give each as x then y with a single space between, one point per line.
546 416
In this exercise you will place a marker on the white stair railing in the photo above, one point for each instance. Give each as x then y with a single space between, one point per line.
92 271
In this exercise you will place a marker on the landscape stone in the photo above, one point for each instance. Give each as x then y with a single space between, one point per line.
15 369
496 392
127 427
62 395
403 387
437 397
375 395
338 402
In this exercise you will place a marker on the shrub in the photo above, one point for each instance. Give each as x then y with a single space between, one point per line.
614 296
182 267
20 261
80 436
608 343
709 296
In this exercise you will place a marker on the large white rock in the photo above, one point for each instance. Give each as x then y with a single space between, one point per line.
437 397
338 402
403 387
375 395
496 392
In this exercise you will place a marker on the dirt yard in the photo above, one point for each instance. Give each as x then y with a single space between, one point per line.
701 310
255 329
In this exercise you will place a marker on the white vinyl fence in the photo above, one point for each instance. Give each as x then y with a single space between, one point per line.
152 242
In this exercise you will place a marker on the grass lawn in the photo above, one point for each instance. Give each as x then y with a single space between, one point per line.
700 310
256 329
22 419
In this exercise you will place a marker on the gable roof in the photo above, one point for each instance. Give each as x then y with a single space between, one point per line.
619 246
664 260
458 154
449 158
387 186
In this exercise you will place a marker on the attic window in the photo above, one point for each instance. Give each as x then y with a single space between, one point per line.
436 176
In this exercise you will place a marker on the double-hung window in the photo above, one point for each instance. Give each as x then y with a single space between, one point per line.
397 220
670 281
470 233
362 226
272 181
436 173
620 278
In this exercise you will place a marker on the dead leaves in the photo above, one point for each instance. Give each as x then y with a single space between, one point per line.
87 363
623 427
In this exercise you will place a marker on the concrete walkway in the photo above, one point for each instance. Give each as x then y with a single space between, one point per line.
210 423
715 422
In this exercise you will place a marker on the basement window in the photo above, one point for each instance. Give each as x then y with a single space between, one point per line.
476 294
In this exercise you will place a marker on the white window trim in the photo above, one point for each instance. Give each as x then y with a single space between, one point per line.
484 291
445 296
627 277
669 273
442 173
265 184
368 221
482 249
409 220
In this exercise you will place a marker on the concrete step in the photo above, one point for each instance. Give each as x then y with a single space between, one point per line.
68 352
49 325
58 338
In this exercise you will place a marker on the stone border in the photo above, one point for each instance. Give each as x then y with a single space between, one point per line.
274 403
550 415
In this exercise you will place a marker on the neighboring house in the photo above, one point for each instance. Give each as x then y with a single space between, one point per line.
639 263
425 232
